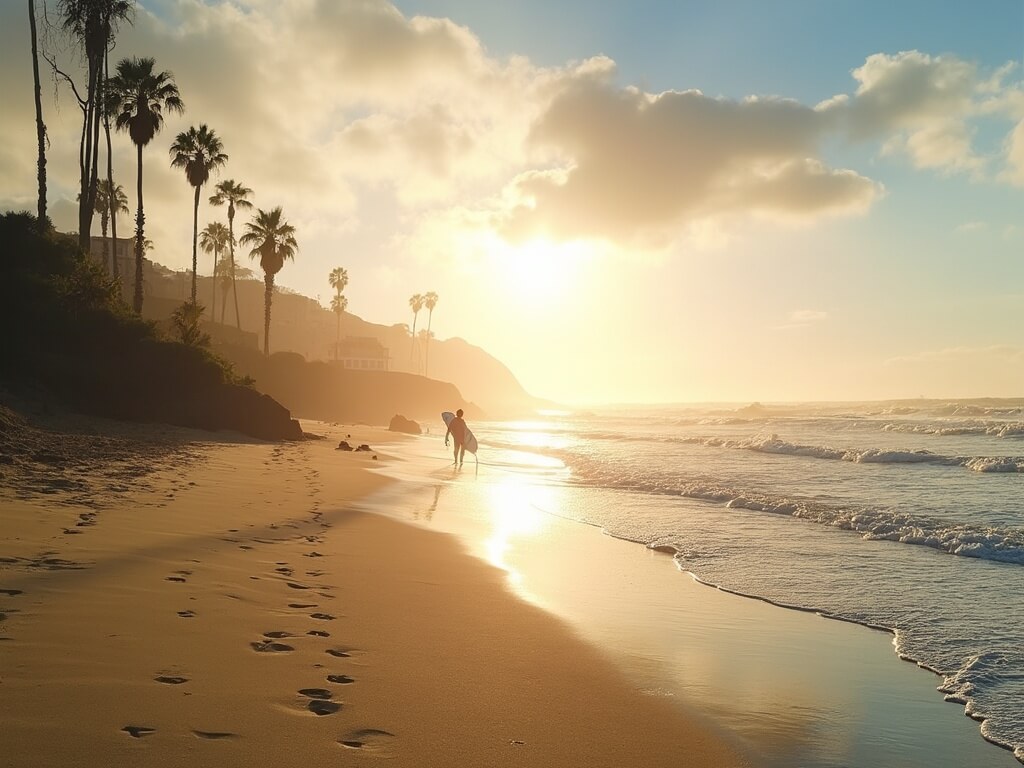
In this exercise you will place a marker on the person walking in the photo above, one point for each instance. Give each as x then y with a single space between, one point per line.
457 430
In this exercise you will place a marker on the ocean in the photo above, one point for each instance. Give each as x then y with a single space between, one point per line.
906 517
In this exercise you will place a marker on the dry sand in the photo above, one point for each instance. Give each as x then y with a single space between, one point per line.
178 601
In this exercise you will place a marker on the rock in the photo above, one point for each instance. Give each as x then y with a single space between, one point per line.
401 424
364 447
343 446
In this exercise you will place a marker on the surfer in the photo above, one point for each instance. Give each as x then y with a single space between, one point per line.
457 429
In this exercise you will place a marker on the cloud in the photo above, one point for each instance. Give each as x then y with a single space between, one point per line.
929 108
633 164
970 226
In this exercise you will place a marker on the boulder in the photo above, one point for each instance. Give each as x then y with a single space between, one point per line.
401 424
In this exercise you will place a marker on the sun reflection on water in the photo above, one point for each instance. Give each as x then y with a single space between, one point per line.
515 508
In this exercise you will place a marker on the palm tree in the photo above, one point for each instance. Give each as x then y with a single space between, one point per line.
338 280
273 240
198 151
139 97
108 206
234 194
214 239
430 301
416 302
91 24
338 305
40 126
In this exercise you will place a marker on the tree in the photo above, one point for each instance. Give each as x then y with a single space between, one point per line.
198 151
214 239
338 280
227 281
273 241
40 125
108 205
338 305
430 301
185 321
91 24
416 302
234 194
139 97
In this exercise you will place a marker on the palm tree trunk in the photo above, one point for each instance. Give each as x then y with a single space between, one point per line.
140 221
234 285
412 350
40 126
223 303
213 304
195 240
103 229
337 334
426 364
112 198
267 298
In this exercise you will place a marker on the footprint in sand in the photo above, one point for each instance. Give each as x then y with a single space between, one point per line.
321 616
320 708
315 693
171 680
138 731
186 614
340 653
277 635
270 647
370 740
13 592
318 633
179 579
214 735
340 679
293 585
302 605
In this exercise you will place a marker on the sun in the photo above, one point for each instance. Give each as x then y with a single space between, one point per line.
539 272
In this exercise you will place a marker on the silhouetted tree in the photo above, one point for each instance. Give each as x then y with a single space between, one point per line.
416 302
40 125
108 206
198 151
430 301
273 240
91 24
338 305
338 280
138 98
185 321
214 239
235 195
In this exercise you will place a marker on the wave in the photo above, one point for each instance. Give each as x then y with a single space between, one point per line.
1003 429
774 445
996 543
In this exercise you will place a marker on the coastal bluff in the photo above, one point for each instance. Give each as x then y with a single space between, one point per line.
72 343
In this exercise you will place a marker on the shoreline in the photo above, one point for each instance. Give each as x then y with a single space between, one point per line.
230 608
817 692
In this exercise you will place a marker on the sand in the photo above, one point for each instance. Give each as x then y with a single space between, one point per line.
188 599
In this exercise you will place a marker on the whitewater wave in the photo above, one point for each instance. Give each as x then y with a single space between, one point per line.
1001 429
773 444
1000 544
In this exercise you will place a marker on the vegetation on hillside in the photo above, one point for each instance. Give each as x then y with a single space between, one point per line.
75 341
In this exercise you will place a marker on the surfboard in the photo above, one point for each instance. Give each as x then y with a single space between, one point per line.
470 440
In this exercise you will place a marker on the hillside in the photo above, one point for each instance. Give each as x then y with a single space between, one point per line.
301 325
70 341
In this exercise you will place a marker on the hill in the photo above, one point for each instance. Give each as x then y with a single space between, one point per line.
71 341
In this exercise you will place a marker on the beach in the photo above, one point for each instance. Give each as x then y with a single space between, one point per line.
190 598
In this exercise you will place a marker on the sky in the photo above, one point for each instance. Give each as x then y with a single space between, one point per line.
622 201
